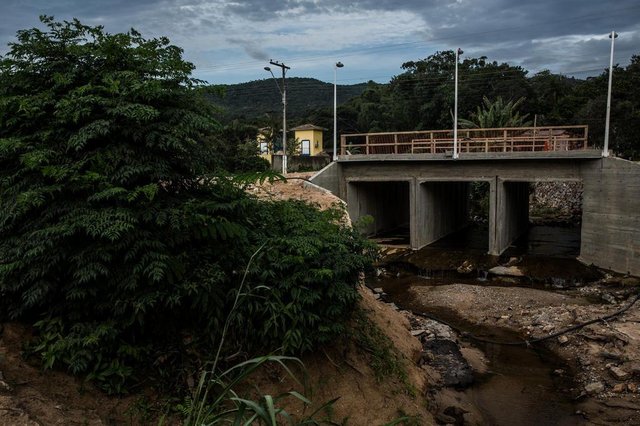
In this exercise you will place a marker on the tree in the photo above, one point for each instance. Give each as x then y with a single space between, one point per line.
496 114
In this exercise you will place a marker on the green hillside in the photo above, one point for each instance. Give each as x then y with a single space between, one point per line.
255 98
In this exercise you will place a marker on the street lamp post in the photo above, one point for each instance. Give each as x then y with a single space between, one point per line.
605 148
283 92
335 109
455 108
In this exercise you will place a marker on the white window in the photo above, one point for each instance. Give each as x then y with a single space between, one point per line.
264 148
305 147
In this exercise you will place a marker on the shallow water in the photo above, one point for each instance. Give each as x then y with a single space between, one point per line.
520 387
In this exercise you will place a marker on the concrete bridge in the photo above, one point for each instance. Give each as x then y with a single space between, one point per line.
429 192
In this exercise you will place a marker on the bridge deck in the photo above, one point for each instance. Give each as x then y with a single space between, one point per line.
512 141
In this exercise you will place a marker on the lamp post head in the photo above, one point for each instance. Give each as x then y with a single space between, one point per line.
339 65
267 69
460 52
615 34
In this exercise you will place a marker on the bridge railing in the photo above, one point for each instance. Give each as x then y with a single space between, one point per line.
512 139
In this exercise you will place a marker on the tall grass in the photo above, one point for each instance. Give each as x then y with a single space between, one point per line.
216 401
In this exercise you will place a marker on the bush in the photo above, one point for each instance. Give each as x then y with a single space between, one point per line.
114 240
304 279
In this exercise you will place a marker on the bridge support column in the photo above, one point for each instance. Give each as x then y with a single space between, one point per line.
441 208
509 216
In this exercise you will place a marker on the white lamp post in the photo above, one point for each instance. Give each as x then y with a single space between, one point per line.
605 148
335 109
455 108
283 92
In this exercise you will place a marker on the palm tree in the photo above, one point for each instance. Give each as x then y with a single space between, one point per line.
496 114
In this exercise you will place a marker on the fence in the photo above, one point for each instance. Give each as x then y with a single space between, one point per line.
513 139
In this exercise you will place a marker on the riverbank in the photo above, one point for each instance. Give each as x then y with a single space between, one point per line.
591 374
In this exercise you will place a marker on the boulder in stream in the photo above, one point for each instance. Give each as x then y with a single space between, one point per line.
506 271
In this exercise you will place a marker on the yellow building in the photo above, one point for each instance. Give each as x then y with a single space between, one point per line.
310 139
266 150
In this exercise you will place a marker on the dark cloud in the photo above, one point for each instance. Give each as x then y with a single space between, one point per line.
561 35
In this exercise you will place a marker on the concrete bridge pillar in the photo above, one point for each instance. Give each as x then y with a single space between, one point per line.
509 215
441 207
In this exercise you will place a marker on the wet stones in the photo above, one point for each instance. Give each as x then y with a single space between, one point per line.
506 271
594 388
618 373
4 386
445 356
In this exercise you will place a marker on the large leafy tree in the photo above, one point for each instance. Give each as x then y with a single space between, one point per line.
105 213
114 237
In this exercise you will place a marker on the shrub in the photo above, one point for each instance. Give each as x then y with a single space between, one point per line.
116 242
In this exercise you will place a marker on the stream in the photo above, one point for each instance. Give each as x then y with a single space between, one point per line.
522 385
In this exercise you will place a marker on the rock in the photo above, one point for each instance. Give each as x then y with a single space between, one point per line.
378 290
417 332
444 419
4 386
466 267
630 282
618 373
632 387
376 296
449 362
506 271
619 388
394 306
563 340
559 372
513 261
594 388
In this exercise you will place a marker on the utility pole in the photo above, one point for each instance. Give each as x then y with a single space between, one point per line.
455 108
605 149
335 110
283 91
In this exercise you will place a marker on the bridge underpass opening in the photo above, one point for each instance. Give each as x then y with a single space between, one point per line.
453 214
553 220
388 204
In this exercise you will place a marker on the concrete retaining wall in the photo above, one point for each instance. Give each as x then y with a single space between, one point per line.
611 215
300 163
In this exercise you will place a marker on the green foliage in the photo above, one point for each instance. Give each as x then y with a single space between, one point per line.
115 239
310 269
236 148
496 114
251 100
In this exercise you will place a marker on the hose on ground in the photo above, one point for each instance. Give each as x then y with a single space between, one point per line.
529 341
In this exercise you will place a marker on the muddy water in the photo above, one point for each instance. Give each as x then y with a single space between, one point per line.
522 385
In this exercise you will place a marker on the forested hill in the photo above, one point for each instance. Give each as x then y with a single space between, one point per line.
255 98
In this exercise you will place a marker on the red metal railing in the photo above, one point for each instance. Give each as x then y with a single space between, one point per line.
513 139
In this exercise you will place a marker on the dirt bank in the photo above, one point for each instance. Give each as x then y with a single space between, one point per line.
344 370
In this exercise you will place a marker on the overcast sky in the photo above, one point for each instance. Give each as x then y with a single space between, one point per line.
231 41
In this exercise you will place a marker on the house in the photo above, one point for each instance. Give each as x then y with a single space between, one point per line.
310 139
265 147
